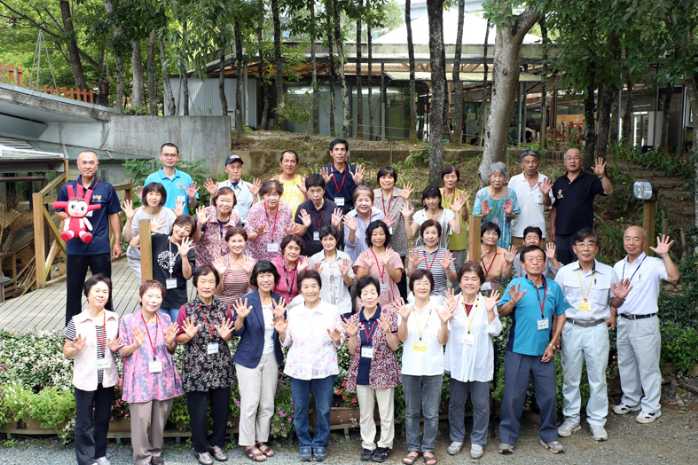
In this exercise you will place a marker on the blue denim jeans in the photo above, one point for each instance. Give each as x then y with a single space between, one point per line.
172 312
322 390
422 397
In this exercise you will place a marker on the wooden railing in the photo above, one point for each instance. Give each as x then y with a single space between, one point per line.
74 93
45 225
12 74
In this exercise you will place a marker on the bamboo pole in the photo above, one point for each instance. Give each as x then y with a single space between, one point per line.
474 238
146 250
39 238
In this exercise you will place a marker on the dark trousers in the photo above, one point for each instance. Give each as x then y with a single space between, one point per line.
322 390
93 410
76 270
564 249
402 285
197 404
517 371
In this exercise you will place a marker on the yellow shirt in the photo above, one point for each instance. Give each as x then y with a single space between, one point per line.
292 196
457 241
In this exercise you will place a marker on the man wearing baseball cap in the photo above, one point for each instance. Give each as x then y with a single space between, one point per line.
245 192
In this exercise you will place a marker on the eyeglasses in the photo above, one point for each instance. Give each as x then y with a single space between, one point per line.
586 244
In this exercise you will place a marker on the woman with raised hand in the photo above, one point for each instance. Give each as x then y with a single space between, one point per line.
150 380
268 221
205 327
161 219
335 270
257 359
289 264
381 262
457 242
293 183
90 339
433 209
496 262
313 333
235 267
374 372
357 220
432 257
211 225
423 330
470 359
497 203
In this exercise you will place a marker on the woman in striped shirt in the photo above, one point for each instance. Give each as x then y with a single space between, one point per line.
432 257
235 267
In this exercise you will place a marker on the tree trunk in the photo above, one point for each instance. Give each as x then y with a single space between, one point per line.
506 79
346 114
484 109
589 130
169 104
369 41
544 89
457 135
626 133
667 95
438 77
333 75
413 85
607 94
264 120
240 66
118 59
359 96
221 81
138 75
278 64
693 99
73 49
313 60
152 78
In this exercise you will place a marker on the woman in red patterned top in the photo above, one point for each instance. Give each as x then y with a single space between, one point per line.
289 264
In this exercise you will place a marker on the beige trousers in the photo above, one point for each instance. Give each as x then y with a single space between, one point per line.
147 427
257 391
367 399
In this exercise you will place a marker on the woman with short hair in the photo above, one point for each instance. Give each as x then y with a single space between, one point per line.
289 264
211 225
431 256
335 270
268 222
234 267
497 203
381 262
433 209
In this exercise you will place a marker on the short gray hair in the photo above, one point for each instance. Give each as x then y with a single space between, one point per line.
498 167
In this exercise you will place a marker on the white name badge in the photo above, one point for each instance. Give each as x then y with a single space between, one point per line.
272 247
171 283
103 363
316 235
339 201
212 348
542 325
539 197
468 339
155 366
384 288
367 352
390 230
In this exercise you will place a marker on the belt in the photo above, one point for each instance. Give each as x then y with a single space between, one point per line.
637 317
585 323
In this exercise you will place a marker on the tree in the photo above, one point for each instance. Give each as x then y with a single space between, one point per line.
339 46
438 88
278 62
313 61
413 86
511 29
359 96
457 136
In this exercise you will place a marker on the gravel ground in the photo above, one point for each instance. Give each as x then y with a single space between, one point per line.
670 440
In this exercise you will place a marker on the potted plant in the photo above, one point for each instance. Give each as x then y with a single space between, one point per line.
51 409
120 418
16 400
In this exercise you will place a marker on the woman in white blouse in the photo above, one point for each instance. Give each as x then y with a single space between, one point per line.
470 358
423 329
335 270
313 332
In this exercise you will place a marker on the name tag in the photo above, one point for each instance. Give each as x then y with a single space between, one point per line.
584 306
542 324
272 247
468 339
419 346
212 348
155 366
339 201
316 235
367 352
384 288
103 363
539 197
171 283
390 230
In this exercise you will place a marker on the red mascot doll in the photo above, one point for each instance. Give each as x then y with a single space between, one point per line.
77 207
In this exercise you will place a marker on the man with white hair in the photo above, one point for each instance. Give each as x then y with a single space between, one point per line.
573 207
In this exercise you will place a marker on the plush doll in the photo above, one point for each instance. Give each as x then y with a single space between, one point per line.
77 207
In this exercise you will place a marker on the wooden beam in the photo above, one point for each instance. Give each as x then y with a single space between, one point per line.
649 215
54 229
39 238
52 252
53 184
474 239
146 250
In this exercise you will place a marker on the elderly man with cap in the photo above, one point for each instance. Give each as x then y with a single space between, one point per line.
639 341
533 191
245 192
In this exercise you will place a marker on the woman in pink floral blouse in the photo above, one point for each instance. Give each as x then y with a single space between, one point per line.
211 225
289 264
268 222
150 381
374 372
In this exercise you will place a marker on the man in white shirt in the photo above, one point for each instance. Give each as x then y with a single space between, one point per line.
245 192
591 288
533 191
638 338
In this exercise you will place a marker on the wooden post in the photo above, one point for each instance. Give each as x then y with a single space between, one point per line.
146 250
39 239
474 239
649 215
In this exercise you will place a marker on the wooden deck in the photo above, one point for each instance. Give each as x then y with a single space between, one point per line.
43 310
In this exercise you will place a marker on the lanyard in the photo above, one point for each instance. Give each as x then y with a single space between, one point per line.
276 217
290 282
381 271
487 269
390 202
340 186
636 269
370 331
152 344
426 260
423 325
541 303
469 313
587 291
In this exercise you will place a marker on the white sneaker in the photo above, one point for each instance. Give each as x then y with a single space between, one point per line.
454 448
622 409
476 451
102 461
598 433
645 418
553 446
568 427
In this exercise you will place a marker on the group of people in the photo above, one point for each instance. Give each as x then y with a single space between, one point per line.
295 267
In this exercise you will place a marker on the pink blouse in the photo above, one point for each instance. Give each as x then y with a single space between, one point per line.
276 224
287 285
389 291
211 244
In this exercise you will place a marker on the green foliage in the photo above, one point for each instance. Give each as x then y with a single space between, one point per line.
655 159
679 346
138 170
33 361
52 407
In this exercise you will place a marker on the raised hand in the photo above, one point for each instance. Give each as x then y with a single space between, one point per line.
447 261
337 216
190 328
508 207
358 174
127 207
280 325
326 174
403 310
600 167
255 186
350 222
242 310
171 334
415 258
351 327
261 229
292 228
225 329
510 254
451 299
407 210
622 288
385 323
515 293
79 343
211 186
545 186
138 338
663 245
201 215
185 246
491 300
446 313
191 190
335 335
278 308
114 344
306 220
485 208
301 187
406 191
458 203
179 207
550 249
344 267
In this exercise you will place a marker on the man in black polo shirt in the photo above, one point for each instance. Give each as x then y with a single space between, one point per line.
573 207
315 213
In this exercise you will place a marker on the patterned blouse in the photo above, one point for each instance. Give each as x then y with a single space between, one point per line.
496 214
235 277
139 384
385 370
202 371
211 245
276 224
